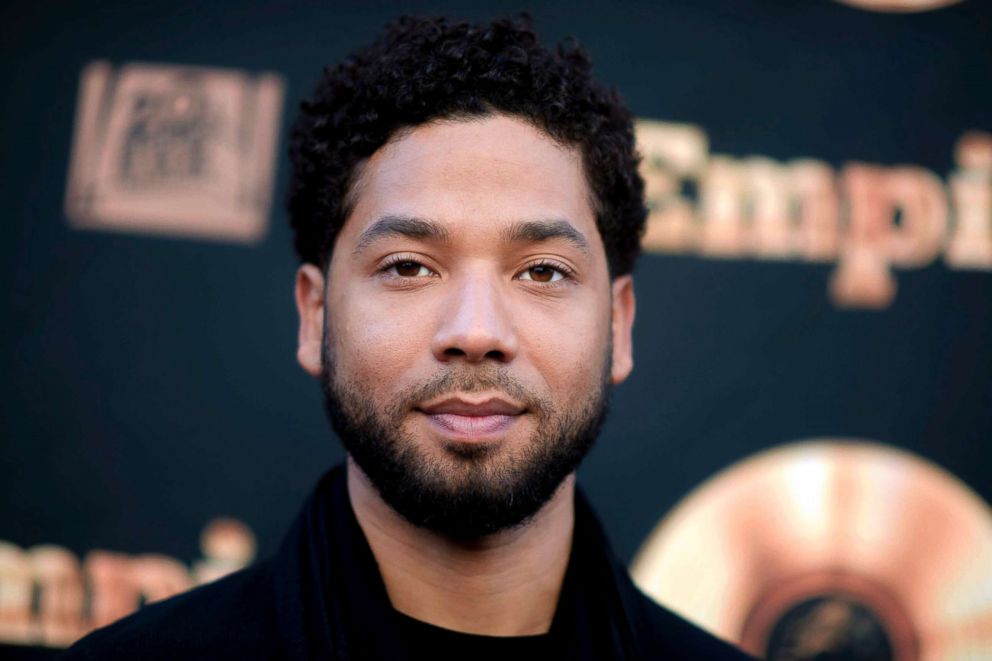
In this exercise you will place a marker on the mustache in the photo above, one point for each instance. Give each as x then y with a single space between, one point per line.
480 379
453 378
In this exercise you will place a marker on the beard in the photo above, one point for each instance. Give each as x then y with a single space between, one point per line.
463 490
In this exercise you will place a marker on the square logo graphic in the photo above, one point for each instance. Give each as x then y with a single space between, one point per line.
174 150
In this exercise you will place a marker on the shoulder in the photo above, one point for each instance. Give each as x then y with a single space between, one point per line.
666 634
230 618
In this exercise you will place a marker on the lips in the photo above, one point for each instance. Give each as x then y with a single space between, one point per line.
477 420
480 408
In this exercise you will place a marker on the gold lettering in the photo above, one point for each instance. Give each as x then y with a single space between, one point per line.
919 196
113 593
670 155
765 189
862 277
813 192
970 245
159 577
874 239
721 205
60 604
114 583
16 586
869 219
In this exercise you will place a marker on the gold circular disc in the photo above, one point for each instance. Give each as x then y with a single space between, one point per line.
814 544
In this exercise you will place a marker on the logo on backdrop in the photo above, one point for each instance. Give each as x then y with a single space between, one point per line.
48 597
174 150
866 218
830 549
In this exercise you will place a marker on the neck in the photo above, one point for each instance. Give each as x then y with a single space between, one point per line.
506 584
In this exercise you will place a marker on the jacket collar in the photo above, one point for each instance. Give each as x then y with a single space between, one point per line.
333 603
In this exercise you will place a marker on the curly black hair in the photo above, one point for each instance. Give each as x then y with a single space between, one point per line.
425 69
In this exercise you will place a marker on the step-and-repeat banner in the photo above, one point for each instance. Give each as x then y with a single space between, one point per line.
802 459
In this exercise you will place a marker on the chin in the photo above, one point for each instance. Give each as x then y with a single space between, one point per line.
471 450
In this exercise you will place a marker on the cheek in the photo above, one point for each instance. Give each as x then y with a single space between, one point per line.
375 344
567 348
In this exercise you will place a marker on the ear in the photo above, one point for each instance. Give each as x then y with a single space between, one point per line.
624 306
309 295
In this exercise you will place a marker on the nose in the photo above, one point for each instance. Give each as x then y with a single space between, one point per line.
475 325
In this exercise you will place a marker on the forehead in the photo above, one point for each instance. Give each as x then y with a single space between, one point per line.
474 176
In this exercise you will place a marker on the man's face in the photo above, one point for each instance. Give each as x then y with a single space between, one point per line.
469 328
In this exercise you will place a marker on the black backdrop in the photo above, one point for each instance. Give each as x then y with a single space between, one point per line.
149 384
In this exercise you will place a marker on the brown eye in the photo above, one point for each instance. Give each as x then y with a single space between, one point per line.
542 273
410 269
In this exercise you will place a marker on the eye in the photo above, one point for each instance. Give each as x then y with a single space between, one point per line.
408 268
544 273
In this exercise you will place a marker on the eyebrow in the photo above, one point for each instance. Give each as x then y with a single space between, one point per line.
414 228
546 230
534 231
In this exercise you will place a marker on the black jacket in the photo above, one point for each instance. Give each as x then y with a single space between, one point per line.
322 597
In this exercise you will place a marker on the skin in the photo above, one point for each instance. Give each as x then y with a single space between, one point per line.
471 296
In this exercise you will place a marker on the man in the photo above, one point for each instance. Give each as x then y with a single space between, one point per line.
468 211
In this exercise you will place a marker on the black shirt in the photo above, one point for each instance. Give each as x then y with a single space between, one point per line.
426 642
322 597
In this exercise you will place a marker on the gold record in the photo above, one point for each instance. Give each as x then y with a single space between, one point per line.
830 549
